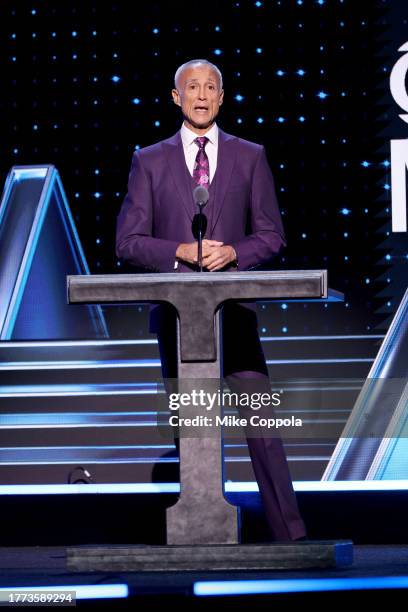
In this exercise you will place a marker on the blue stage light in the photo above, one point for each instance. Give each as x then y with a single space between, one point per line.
174 487
301 585
83 591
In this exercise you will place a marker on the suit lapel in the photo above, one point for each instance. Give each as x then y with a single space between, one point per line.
173 149
227 153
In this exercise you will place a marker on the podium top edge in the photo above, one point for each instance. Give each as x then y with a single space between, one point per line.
199 277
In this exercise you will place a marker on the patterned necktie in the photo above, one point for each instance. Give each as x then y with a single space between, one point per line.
201 171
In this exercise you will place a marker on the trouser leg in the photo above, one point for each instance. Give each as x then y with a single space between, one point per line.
245 370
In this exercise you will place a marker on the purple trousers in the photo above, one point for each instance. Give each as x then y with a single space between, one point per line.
243 360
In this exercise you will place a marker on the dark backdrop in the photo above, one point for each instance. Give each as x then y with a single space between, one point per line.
84 82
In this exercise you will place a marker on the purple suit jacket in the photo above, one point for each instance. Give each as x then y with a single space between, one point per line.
157 212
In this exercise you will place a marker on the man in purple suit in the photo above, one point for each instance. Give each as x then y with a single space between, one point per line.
244 230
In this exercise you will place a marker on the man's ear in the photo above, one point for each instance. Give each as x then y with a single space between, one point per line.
221 97
176 97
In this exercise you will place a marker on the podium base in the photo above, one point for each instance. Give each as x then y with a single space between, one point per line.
142 558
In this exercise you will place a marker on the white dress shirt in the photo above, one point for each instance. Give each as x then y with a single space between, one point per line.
191 148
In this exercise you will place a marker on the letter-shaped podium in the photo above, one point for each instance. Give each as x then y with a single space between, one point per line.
202 516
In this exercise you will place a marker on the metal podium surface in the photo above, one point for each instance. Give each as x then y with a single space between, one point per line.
202 527
202 515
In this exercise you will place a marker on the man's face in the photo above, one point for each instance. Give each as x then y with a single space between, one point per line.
200 96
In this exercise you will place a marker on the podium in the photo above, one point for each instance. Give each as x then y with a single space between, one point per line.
202 527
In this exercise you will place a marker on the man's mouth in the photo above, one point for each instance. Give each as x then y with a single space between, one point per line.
201 108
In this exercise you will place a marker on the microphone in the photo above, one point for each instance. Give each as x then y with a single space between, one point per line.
201 196
198 225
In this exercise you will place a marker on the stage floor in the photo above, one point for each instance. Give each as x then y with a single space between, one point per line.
46 566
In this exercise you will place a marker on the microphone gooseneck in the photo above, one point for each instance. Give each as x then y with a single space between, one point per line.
201 196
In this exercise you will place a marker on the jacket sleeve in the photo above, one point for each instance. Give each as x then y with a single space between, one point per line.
134 235
267 236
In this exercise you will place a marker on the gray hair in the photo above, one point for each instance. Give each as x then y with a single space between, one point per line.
193 63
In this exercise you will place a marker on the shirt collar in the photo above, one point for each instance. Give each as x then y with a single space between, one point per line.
188 136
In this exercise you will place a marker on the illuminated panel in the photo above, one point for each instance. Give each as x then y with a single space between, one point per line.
373 443
39 246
